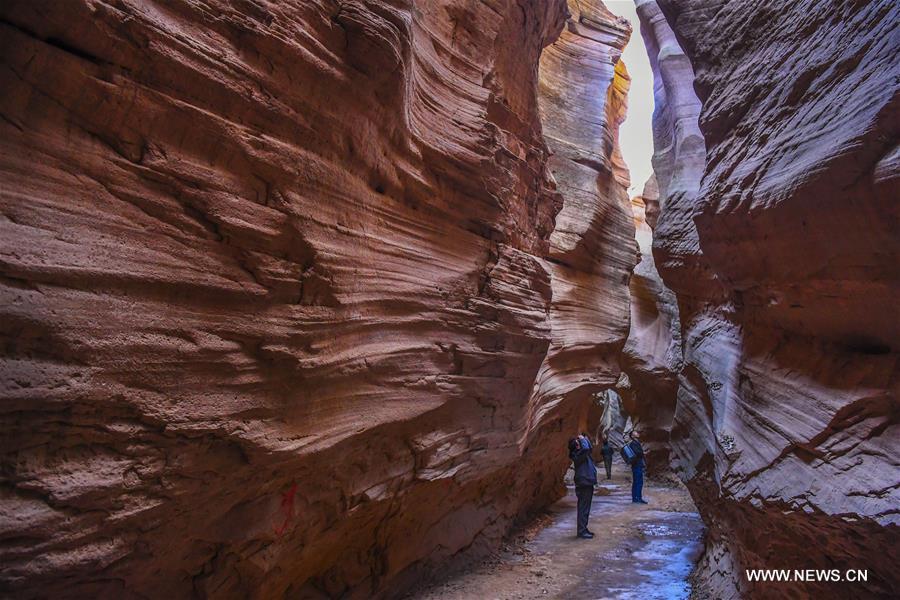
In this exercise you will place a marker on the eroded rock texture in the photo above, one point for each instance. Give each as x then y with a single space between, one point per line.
652 354
613 420
782 249
291 303
582 93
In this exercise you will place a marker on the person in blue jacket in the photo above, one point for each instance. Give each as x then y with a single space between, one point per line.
585 480
638 464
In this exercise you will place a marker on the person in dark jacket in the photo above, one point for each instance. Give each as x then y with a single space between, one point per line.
585 480
607 452
637 469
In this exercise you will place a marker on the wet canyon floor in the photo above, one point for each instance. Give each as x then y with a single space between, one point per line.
639 552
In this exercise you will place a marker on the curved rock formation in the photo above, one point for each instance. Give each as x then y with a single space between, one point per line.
290 303
592 246
679 155
652 354
612 421
783 254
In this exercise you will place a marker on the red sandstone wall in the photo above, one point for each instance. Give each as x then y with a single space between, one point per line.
783 251
291 301
651 358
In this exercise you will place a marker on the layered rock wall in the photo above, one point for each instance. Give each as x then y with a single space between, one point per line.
651 357
295 300
582 96
783 251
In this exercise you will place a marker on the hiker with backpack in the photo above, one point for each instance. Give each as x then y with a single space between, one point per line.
633 455
585 480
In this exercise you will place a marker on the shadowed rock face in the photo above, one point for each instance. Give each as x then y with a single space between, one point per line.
783 253
294 302
652 354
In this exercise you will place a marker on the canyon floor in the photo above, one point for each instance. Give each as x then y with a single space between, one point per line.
640 551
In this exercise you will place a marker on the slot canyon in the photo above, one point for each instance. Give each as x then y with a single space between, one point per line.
305 298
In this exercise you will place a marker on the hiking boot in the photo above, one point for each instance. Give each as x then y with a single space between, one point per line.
586 535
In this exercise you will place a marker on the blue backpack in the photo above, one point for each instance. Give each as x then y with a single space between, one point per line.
628 455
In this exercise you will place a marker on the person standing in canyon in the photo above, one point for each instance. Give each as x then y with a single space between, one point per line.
637 468
585 479
607 451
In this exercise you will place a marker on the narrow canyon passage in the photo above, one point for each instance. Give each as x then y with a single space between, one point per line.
305 299
640 552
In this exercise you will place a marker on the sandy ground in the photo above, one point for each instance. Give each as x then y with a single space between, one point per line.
640 551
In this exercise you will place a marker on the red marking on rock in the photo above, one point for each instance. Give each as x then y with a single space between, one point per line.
287 509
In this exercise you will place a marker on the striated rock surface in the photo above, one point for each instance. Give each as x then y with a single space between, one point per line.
679 155
652 354
292 305
783 251
591 252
